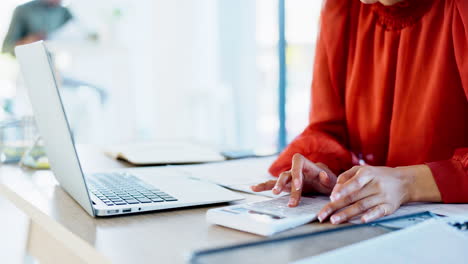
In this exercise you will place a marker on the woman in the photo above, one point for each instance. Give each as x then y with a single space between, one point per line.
389 93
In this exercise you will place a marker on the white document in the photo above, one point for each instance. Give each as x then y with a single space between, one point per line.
236 175
459 222
449 209
436 208
430 242
402 211
268 217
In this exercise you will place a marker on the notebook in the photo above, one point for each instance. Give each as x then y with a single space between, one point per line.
167 152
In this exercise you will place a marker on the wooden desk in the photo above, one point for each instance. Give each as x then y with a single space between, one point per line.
62 232
14 230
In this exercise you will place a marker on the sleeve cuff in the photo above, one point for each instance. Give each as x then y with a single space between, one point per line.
451 180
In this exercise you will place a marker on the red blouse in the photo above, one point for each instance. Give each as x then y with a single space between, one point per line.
390 87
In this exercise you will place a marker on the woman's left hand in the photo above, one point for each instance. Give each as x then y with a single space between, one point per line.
376 192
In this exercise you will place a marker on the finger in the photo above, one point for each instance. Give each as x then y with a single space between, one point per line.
312 169
377 212
287 187
283 179
296 170
354 184
326 180
331 175
315 186
356 209
263 186
317 176
344 177
297 179
337 205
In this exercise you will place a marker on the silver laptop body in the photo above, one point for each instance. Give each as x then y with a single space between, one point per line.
107 193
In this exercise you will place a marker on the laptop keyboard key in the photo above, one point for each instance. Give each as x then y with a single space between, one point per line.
144 200
169 199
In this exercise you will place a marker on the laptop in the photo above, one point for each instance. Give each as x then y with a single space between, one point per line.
106 193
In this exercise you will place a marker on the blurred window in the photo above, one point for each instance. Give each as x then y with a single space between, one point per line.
205 70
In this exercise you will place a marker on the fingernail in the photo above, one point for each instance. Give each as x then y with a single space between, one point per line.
324 174
327 179
276 189
322 216
365 219
297 184
369 217
359 221
335 219
292 202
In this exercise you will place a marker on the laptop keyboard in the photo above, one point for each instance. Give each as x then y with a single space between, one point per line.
124 188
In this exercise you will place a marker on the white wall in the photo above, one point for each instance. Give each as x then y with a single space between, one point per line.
204 72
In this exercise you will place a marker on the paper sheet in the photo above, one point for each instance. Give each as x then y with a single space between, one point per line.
440 209
449 209
432 241
237 174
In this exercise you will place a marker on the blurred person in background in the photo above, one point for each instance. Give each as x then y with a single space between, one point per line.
38 20
34 21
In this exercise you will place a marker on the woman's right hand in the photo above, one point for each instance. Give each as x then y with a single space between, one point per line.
304 177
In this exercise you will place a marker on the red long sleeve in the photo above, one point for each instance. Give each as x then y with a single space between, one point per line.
451 177
390 85
454 188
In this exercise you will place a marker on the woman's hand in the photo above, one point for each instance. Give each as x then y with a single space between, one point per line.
378 191
304 176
